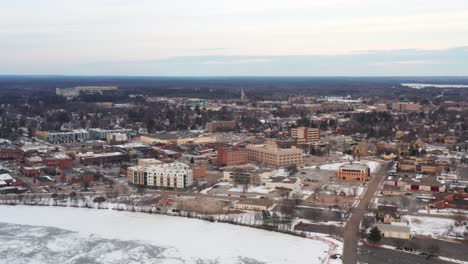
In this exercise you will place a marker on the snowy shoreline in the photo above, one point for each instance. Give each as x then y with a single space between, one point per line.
230 241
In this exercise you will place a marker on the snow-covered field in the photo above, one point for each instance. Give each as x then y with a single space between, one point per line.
434 226
34 234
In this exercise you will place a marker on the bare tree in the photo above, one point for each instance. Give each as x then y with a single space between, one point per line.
404 202
313 214
287 208
459 218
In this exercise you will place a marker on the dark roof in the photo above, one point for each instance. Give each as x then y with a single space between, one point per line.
387 208
45 179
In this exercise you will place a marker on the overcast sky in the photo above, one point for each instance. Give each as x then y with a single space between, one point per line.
234 37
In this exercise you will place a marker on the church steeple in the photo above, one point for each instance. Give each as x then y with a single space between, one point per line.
243 97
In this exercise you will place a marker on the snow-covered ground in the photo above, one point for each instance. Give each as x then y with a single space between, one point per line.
252 189
434 226
447 211
355 191
107 236
373 165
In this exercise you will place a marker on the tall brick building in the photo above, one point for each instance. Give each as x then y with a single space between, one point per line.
228 156
306 134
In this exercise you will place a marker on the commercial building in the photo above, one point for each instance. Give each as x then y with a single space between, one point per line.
59 160
6 179
146 162
242 175
301 100
457 201
117 138
424 166
406 107
254 205
76 91
10 152
394 231
168 175
306 134
220 126
90 158
429 183
32 171
43 181
75 176
178 137
78 135
198 169
353 172
102 134
290 183
228 156
270 154
391 190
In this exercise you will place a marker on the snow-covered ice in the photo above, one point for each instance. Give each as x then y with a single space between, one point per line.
128 237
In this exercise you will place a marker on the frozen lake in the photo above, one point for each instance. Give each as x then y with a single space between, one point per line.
78 235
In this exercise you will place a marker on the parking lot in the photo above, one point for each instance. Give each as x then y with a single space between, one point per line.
379 255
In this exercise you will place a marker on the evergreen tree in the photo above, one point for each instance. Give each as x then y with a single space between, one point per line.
374 235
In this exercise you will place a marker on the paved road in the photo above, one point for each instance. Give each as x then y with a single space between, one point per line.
451 249
351 231
373 255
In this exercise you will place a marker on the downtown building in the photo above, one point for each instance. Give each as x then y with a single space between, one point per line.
306 134
271 154
103 134
353 172
166 176
77 135
229 156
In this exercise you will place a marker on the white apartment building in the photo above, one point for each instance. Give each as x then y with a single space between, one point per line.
98 133
77 135
167 175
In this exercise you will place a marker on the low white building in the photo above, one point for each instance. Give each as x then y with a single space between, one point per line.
168 175
281 182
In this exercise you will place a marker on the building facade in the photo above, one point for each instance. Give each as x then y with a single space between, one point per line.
102 134
78 135
270 154
232 156
75 91
306 134
353 172
406 107
168 175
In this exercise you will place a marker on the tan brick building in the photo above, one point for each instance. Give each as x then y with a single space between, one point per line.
306 134
406 107
270 154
